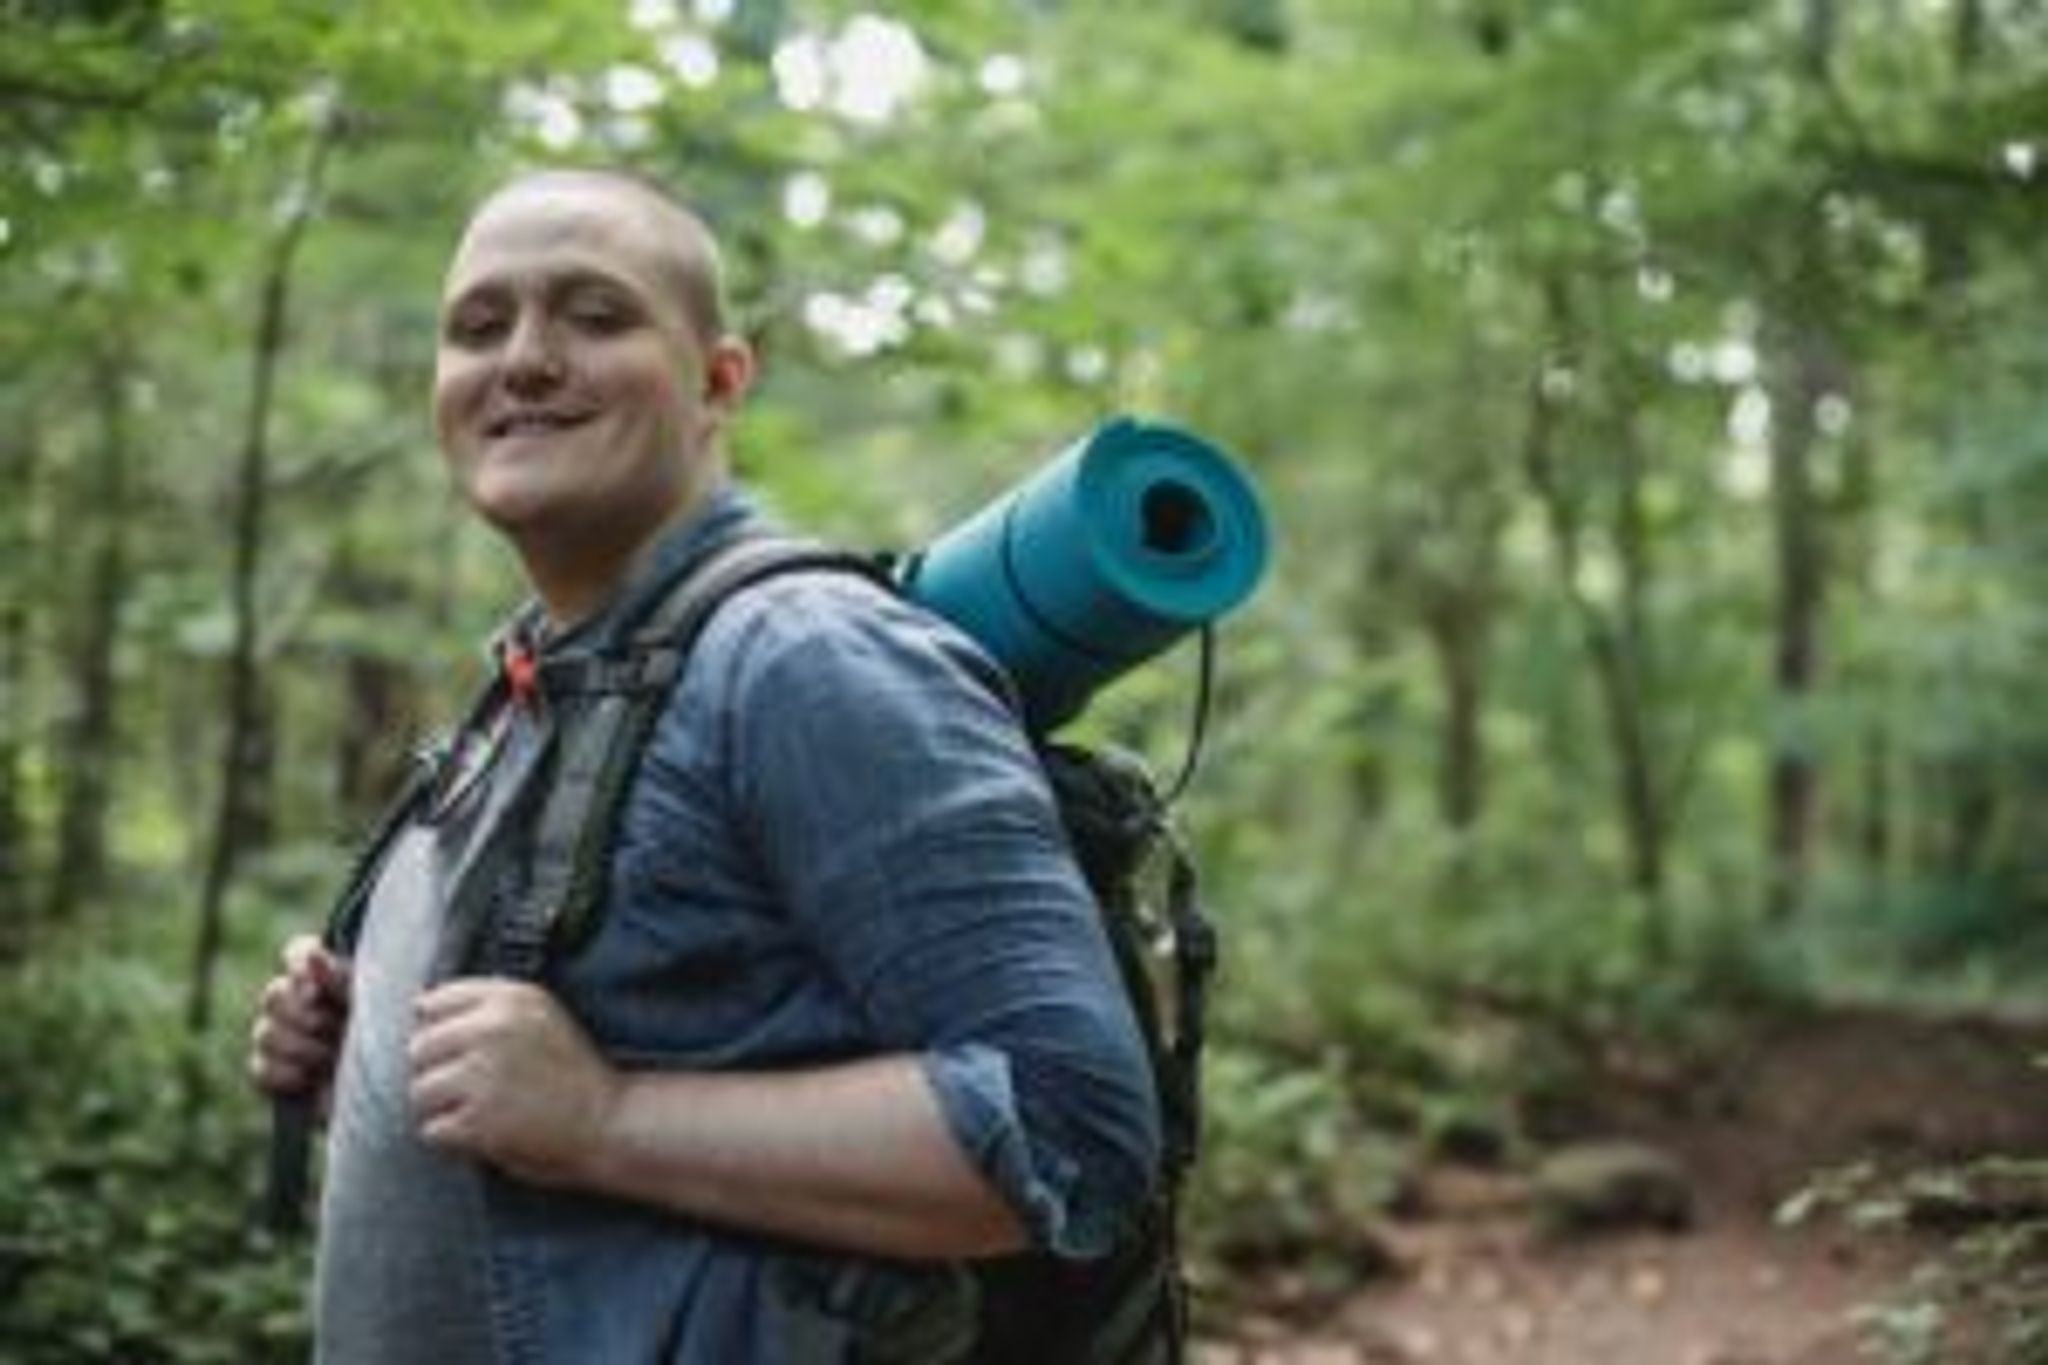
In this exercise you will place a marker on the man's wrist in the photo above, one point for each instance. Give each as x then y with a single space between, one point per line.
603 1161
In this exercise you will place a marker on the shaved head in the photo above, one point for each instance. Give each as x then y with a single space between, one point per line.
694 264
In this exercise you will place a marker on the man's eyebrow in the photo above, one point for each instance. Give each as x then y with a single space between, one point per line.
553 283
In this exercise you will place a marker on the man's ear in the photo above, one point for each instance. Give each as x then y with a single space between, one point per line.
728 373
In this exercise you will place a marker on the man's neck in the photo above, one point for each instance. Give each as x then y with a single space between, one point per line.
573 590
576 578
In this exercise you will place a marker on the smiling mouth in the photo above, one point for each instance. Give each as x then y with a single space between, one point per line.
531 423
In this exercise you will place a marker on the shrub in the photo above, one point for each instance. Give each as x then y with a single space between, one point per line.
126 1184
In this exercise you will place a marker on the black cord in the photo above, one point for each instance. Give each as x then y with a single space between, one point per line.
1204 686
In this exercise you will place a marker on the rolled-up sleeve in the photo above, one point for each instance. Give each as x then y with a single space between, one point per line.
906 825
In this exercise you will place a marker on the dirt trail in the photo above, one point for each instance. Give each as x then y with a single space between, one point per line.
1481 1289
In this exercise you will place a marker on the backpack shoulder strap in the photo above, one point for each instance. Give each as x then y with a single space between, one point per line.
427 771
675 622
613 701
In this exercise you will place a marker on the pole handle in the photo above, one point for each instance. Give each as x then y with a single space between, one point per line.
289 1175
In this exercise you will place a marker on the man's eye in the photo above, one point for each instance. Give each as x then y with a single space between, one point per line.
473 328
600 315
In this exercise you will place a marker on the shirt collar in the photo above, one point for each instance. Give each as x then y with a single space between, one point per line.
725 513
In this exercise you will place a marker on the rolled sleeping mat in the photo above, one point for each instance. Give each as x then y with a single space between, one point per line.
1127 540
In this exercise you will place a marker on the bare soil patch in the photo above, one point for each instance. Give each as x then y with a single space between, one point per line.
1478 1285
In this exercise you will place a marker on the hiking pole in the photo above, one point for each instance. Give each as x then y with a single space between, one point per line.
288 1171
289 1175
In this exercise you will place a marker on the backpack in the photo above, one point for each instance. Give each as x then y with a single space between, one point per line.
1127 1307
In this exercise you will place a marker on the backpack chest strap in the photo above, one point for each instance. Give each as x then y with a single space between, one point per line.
576 677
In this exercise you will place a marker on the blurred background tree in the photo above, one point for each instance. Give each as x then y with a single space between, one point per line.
1647 393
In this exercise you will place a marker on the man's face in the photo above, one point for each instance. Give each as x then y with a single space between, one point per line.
575 400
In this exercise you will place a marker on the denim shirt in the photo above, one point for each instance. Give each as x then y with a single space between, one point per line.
838 844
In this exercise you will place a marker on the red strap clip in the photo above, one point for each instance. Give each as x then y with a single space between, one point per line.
522 673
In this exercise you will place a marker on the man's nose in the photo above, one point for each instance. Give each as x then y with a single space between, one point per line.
532 356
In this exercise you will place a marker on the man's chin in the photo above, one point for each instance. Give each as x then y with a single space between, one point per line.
512 506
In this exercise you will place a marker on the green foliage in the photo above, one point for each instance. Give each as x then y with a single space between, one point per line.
126 1184
1294 1173
1981 1297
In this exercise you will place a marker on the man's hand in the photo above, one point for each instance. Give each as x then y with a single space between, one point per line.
296 1034
501 1073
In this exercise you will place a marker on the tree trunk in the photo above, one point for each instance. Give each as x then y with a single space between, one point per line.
1947 834
16 866
1817 40
245 736
1802 367
1874 826
1856 542
1457 631
1491 25
1794 781
1973 782
1629 681
91 747
1374 715
1617 642
379 706
16 901
378 710
1972 815
1968 36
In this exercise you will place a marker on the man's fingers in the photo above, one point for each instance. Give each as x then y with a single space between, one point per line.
269 1074
290 1045
322 972
331 971
435 1091
299 952
283 1076
293 1005
285 1059
460 996
300 1015
448 1131
453 1030
441 1041
444 1108
294 1038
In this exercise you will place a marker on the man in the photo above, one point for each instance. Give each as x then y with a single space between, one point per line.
848 1014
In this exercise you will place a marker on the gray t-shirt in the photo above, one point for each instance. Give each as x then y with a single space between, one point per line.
401 1273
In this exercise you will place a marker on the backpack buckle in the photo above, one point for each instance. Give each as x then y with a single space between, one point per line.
655 670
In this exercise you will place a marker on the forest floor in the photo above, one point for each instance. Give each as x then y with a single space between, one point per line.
1474 1284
